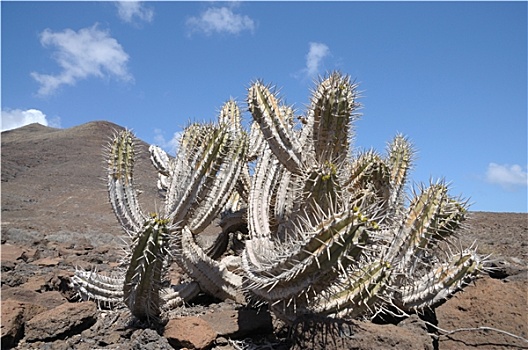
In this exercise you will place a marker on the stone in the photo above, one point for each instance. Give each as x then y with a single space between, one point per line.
12 322
14 315
149 339
237 323
189 332
48 300
12 253
47 261
59 322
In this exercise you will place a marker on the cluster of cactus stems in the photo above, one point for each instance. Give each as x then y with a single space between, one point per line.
331 230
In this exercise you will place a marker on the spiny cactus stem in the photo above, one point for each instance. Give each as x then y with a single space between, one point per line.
266 176
121 192
415 232
160 160
102 289
143 277
176 296
257 143
358 292
222 184
441 282
211 150
400 157
230 115
213 277
332 105
265 109
335 237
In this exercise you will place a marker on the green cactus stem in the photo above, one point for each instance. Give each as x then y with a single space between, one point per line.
141 289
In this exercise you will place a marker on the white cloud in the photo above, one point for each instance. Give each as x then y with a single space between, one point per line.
220 19
16 118
129 10
170 146
316 54
88 52
507 176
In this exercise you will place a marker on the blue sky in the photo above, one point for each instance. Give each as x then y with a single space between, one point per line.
452 76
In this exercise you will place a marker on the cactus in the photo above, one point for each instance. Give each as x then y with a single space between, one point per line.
196 186
330 230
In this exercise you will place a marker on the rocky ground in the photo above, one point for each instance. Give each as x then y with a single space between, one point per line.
56 216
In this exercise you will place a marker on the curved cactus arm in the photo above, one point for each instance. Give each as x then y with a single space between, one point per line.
414 233
244 183
400 157
222 184
213 277
296 268
260 196
440 283
230 115
178 295
121 191
257 141
320 192
356 292
275 126
451 218
332 105
182 167
93 286
368 182
286 198
144 275
161 161
432 216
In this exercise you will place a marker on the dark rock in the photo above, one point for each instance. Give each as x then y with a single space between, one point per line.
502 267
149 339
14 315
62 321
48 300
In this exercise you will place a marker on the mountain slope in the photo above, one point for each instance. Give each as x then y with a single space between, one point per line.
54 179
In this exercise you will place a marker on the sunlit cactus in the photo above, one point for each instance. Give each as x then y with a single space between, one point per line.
330 230
324 228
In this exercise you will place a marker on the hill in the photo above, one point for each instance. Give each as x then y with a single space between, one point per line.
53 180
